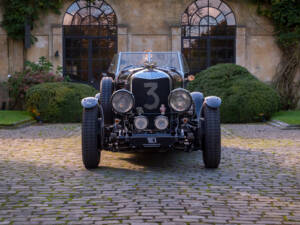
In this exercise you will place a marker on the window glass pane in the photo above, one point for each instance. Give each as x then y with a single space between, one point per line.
103 20
86 20
230 19
212 21
204 21
192 9
77 69
94 21
225 9
203 12
186 31
199 43
186 43
95 12
83 12
195 20
214 12
214 3
221 19
96 3
194 31
185 19
204 30
76 20
202 3
218 31
106 9
73 8
82 3
111 19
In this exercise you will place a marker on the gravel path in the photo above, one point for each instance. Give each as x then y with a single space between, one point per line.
42 181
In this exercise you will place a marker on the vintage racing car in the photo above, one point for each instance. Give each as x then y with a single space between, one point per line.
143 105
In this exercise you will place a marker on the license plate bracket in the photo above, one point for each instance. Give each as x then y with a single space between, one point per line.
152 140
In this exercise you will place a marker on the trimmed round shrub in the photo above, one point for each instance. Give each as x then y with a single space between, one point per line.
245 99
58 102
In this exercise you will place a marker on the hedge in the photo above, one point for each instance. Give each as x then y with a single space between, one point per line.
244 98
58 102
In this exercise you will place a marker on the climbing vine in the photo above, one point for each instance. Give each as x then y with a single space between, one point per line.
19 12
285 15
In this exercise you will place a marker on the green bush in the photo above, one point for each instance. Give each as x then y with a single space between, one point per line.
244 98
58 102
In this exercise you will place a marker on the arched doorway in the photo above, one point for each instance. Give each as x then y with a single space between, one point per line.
208 34
89 40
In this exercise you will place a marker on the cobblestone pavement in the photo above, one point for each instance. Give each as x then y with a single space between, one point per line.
42 181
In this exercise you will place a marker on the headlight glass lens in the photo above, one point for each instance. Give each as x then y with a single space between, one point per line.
122 101
161 122
180 100
141 122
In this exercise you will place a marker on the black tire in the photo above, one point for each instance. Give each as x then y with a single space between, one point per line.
91 148
106 90
212 137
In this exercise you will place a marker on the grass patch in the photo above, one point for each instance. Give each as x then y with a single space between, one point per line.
290 117
8 118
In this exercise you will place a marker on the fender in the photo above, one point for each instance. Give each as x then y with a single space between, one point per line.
213 102
89 103
198 99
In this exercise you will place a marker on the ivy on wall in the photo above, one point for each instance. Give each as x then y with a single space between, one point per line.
285 15
19 12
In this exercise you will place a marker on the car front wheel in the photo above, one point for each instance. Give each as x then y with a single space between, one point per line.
212 137
92 133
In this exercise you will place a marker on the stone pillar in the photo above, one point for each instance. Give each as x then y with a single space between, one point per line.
176 39
4 68
241 52
15 56
56 46
122 39
3 58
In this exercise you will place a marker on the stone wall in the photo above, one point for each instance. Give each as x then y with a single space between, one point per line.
155 25
3 52
11 54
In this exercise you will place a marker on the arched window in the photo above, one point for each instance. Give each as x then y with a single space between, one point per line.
89 40
208 34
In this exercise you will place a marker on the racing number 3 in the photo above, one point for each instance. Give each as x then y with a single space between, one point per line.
153 87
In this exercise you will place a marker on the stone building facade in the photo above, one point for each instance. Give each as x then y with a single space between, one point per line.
84 37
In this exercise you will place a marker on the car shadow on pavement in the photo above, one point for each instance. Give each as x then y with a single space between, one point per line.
162 159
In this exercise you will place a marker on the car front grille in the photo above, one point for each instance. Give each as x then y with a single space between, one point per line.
151 94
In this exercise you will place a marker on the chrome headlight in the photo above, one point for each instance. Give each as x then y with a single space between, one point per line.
141 122
161 122
122 101
180 100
